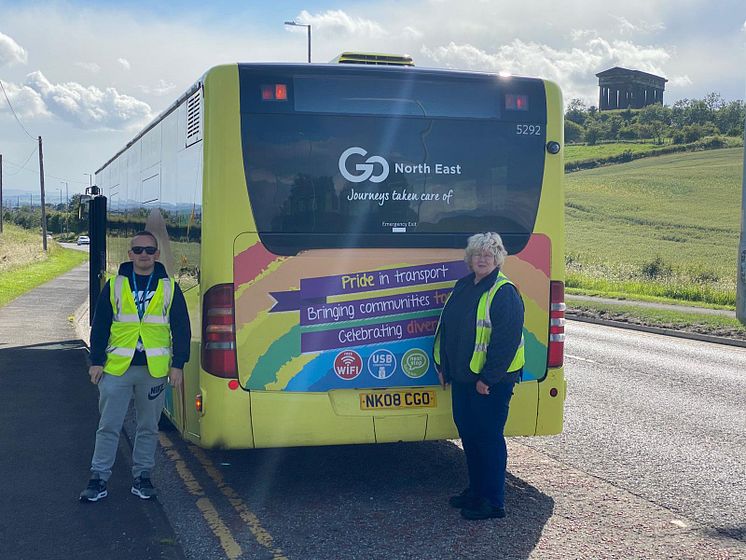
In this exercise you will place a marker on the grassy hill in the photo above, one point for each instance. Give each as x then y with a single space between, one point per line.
666 226
24 264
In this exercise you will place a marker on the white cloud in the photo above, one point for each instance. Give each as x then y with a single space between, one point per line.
338 22
162 87
26 102
412 32
681 81
90 66
125 63
573 68
641 26
88 106
11 52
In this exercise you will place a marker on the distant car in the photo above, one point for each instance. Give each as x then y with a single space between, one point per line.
84 240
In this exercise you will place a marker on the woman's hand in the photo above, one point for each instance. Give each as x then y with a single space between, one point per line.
483 388
96 373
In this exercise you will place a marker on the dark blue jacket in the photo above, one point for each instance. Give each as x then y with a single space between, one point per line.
459 327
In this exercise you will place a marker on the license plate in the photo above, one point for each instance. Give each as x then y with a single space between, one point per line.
412 398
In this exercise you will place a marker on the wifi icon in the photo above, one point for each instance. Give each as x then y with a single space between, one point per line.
348 365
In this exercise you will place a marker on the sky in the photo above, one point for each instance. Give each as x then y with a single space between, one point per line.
87 76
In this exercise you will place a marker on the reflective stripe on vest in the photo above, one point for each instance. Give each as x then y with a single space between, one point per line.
127 328
483 331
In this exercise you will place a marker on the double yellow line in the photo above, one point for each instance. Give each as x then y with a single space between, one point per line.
227 541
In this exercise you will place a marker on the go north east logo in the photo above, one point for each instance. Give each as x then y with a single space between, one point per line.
376 169
365 169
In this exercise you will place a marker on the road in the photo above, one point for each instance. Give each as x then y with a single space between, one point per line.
661 417
651 465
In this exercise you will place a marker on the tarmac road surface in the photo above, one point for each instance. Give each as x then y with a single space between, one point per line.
567 497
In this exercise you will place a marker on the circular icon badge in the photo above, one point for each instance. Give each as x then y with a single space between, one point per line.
415 363
348 365
382 364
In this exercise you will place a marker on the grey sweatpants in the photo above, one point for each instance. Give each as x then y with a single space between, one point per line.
115 393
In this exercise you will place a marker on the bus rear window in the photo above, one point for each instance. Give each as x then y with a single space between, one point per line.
406 97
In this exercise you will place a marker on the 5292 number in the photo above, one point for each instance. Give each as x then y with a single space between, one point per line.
528 129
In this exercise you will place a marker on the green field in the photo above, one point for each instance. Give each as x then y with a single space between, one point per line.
24 265
666 226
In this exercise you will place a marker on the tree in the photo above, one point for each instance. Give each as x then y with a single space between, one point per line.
657 118
577 111
730 118
573 132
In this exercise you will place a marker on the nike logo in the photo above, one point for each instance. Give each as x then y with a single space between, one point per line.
155 391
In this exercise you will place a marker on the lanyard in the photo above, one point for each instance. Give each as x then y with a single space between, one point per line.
140 301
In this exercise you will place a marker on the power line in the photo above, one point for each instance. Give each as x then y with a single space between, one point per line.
36 171
14 112
22 167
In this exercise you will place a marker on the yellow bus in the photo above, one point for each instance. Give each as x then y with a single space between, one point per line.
315 217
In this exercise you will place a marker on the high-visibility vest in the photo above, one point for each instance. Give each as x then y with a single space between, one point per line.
484 331
127 328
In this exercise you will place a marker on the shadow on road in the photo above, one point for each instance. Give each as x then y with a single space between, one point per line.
48 421
382 501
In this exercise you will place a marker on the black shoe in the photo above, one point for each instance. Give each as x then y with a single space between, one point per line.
464 500
483 510
142 487
95 491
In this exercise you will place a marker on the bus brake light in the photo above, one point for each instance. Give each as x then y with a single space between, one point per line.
219 332
274 92
556 351
515 102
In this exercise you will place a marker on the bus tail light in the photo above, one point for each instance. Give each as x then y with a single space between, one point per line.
219 332
556 324
274 92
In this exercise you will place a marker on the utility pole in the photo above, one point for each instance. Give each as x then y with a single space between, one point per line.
741 273
43 208
1 193
67 206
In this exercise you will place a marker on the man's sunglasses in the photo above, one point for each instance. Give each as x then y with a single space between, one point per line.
148 250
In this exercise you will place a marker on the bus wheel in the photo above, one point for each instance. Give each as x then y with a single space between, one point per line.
165 424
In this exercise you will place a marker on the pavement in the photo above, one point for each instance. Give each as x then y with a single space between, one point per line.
48 421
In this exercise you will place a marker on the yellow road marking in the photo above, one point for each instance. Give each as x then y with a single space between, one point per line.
212 517
261 535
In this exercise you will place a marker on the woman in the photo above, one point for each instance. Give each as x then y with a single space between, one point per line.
479 351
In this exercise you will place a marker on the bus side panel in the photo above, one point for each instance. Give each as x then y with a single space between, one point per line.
226 421
551 220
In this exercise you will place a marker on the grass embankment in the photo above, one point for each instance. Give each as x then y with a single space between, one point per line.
578 152
24 265
664 227
663 318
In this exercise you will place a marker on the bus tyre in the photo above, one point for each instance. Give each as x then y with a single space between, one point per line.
165 424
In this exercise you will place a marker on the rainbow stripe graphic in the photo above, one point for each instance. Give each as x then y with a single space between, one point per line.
332 319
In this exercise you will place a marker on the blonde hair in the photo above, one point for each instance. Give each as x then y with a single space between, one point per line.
490 242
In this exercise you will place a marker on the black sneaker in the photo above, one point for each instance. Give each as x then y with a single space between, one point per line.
464 500
142 487
95 490
483 510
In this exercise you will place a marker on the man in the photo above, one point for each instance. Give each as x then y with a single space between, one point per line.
140 335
